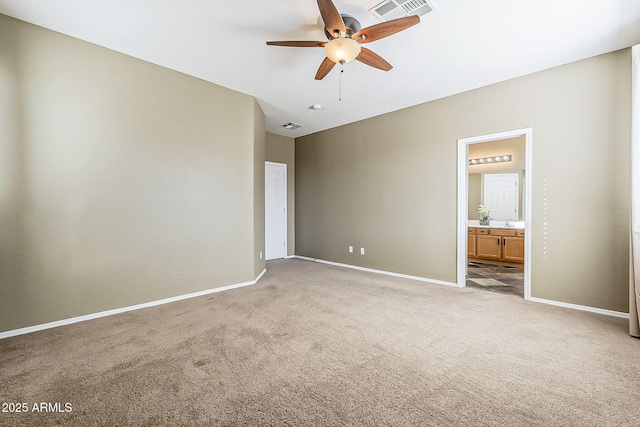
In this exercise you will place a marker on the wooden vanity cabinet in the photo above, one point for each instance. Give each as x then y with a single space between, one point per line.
513 249
471 242
488 246
502 245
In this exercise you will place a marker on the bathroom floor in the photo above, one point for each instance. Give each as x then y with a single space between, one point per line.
496 278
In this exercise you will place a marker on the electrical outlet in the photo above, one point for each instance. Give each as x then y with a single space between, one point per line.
361 251
350 249
260 254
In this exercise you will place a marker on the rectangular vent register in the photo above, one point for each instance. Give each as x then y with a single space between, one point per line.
394 9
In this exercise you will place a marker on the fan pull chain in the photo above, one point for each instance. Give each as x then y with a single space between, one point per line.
340 82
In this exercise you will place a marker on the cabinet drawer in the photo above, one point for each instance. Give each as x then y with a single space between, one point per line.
502 232
520 233
482 231
471 230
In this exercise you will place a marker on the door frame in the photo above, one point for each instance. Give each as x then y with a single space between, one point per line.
286 209
463 201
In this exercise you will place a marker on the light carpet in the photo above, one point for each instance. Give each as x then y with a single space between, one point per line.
318 345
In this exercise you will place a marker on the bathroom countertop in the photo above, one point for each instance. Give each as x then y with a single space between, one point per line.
517 225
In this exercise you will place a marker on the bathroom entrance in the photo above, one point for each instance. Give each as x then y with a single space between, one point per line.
493 212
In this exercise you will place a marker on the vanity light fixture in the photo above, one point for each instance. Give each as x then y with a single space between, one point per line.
493 159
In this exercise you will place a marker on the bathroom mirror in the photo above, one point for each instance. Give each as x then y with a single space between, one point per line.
497 172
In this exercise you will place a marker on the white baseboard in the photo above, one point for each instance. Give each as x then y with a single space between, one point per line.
371 270
72 320
580 307
440 282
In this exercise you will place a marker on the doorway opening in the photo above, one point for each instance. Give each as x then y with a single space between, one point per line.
275 207
501 242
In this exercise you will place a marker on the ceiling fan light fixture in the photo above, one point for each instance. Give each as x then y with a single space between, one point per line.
345 35
342 50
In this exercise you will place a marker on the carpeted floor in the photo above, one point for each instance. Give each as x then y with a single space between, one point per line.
317 345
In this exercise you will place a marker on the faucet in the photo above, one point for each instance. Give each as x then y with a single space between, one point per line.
508 223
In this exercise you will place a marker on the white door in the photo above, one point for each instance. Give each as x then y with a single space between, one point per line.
275 207
501 193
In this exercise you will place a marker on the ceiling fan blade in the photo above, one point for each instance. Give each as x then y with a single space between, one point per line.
373 59
385 29
298 44
325 67
331 16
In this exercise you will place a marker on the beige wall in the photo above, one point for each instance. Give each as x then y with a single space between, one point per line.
121 182
513 146
281 149
258 189
475 195
388 184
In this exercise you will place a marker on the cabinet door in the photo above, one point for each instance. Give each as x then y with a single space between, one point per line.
471 245
489 247
513 249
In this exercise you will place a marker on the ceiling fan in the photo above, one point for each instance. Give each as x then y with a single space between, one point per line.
346 36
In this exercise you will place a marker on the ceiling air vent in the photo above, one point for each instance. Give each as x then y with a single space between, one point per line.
291 126
394 9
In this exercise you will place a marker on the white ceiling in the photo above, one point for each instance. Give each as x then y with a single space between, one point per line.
462 45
